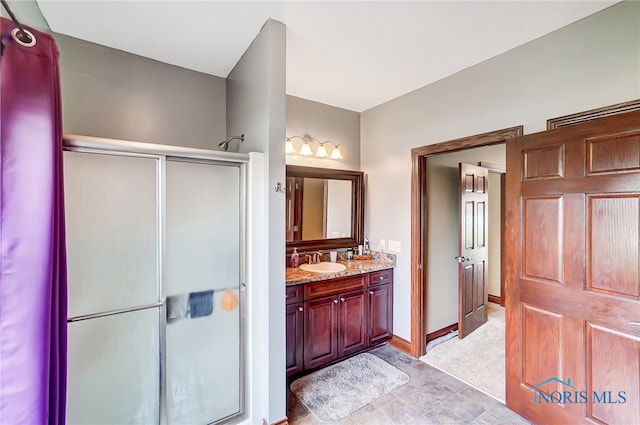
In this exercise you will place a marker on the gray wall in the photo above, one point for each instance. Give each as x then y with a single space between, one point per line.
592 63
256 104
443 228
324 122
28 13
114 94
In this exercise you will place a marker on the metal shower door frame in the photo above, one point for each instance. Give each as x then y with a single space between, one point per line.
162 153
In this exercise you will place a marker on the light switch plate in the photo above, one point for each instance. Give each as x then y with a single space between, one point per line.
394 246
381 245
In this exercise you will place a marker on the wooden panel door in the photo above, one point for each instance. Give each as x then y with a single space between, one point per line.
472 252
352 328
380 313
294 330
572 273
320 331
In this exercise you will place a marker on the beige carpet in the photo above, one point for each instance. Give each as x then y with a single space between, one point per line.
477 359
335 392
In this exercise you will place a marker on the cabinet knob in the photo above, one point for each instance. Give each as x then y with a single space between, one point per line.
300 308
286 296
381 277
371 292
342 299
335 301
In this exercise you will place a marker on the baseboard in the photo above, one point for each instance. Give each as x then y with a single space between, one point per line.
442 332
400 344
495 299
284 421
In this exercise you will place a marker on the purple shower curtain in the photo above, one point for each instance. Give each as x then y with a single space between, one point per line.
33 287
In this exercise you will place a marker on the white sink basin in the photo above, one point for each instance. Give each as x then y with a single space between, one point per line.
323 267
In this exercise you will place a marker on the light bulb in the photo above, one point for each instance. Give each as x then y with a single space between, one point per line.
289 147
321 152
305 149
336 154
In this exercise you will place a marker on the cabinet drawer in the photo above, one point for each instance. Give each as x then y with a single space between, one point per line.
334 286
381 277
294 293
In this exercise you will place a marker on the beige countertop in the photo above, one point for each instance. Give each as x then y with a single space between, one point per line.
295 276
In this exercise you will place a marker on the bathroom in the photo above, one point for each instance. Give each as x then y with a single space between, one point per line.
118 95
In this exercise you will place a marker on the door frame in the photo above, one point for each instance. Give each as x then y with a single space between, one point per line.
502 171
419 220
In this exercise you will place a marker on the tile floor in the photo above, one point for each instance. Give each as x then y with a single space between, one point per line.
430 397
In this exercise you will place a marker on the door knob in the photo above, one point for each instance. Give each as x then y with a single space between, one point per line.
462 259
300 308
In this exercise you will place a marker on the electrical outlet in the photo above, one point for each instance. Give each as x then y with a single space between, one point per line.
394 246
381 245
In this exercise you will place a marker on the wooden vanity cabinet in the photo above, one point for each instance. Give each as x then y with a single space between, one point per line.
320 331
294 330
337 318
334 319
352 323
380 326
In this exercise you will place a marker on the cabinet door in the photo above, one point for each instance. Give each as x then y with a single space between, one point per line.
294 324
380 313
321 331
352 328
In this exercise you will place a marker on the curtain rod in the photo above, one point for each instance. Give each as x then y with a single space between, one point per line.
20 34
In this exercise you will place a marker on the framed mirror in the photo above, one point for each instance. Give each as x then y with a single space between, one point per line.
324 208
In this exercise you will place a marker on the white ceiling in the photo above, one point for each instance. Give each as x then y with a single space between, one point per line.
350 54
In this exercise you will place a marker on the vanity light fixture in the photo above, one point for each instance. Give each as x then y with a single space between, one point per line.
289 148
335 153
306 150
322 151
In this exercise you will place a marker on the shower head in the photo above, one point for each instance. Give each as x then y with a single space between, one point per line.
225 145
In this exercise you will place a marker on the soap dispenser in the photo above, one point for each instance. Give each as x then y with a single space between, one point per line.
295 258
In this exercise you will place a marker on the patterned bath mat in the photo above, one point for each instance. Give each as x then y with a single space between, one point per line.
335 392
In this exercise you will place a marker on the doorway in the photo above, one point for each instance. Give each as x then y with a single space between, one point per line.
468 344
420 222
443 232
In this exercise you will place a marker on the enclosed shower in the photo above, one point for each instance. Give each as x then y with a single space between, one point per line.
156 269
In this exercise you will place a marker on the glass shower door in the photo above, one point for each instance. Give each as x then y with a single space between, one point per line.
202 286
114 288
